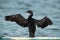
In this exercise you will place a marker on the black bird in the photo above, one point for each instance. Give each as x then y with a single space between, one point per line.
30 22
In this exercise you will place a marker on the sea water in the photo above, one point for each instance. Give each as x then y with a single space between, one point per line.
40 8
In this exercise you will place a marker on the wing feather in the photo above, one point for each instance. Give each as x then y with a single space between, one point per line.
44 22
21 20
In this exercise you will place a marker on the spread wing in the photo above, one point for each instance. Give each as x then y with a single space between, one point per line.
21 20
44 22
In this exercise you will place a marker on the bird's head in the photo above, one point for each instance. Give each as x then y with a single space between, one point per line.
29 11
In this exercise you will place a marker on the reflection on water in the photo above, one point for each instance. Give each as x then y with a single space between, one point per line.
41 8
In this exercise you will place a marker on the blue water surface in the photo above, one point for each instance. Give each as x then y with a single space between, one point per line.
41 8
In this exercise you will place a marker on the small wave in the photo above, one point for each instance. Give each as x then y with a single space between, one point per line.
25 4
54 29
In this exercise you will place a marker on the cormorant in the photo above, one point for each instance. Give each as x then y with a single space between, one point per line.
30 22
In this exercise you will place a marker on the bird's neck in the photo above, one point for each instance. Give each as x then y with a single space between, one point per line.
30 16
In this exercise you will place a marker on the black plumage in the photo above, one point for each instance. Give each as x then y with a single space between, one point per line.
30 22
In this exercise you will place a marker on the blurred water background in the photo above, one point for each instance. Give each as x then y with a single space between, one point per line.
41 8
